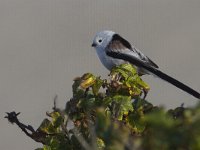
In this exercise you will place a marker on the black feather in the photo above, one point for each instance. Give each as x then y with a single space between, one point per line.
117 37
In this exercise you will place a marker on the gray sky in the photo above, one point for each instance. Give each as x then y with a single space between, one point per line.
44 44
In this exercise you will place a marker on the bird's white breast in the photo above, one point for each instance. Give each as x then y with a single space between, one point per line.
107 61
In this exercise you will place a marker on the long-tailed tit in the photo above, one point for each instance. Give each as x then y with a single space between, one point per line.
114 50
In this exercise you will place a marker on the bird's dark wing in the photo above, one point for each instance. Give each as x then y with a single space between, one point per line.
141 64
119 44
118 40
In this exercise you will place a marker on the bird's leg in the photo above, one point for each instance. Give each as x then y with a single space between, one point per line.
145 93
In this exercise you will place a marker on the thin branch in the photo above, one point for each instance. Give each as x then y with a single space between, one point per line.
38 136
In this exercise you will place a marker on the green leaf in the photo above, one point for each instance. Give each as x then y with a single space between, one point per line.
47 127
122 105
100 144
129 68
47 147
57 119
97 85
136 121
87 104
125 70
87 80
82 83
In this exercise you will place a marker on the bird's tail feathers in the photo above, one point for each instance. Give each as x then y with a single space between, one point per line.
176 83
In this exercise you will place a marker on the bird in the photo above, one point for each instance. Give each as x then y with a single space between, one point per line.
113 50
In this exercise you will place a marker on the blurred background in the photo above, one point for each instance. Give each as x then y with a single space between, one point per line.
45 44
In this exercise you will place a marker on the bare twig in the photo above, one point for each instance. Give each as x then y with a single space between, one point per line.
38 136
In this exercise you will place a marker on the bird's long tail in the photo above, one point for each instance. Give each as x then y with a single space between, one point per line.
139 63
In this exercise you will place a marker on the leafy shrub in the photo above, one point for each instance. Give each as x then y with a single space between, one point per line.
111 115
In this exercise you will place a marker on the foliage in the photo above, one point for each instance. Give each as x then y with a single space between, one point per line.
111 115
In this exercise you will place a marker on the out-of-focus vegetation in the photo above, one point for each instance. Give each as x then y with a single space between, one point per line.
112 115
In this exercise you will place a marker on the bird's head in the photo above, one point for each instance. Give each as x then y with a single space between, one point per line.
102 39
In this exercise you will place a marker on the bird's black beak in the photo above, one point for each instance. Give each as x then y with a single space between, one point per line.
94 45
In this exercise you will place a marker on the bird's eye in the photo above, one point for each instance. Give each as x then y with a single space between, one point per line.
100 40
